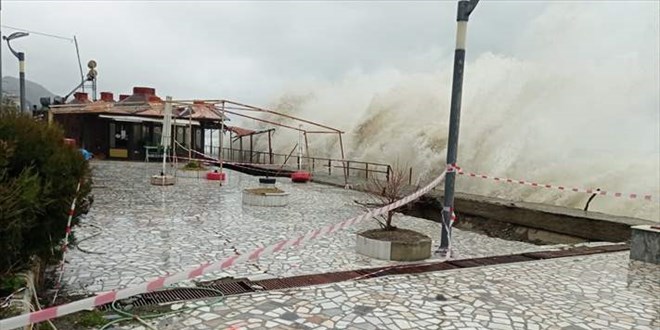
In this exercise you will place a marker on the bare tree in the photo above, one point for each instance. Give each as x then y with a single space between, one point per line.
386 192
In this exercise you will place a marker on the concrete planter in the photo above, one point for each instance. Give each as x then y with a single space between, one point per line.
393 250
268 199
164 180
645 244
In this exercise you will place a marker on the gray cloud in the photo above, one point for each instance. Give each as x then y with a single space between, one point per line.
245 50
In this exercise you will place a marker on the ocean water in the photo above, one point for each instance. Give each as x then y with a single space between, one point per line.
577 105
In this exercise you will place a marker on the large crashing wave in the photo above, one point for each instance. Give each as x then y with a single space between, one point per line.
578 106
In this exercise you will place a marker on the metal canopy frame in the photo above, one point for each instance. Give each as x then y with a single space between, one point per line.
238 109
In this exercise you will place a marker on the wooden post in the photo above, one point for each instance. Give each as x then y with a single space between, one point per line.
222 134
329 167
270 148
306 150
202 127
211 146
240 151
251 148
343 159
410 176
366 170
190 135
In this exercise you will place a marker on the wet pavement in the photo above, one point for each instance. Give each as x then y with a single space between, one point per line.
604 291
136 231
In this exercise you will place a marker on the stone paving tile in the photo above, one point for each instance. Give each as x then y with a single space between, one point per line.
605 291
146 230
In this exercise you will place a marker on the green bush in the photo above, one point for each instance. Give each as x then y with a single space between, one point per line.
193 166
38 178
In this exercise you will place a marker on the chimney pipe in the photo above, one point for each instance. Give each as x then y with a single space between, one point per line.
80 96
107 97
144 90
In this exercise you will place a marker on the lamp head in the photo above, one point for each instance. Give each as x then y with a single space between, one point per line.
15 35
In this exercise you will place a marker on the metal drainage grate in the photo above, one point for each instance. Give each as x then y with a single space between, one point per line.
232 288
229 287
237 286
166 296
477 262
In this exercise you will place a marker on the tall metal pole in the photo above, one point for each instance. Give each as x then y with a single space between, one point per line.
465 8
166 132
82 76
21 73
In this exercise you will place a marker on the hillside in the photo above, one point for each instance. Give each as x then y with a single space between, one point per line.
34 91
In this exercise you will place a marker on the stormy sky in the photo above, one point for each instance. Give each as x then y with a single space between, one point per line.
251 51
245 50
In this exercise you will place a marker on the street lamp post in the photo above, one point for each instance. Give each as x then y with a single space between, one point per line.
21 64
465 8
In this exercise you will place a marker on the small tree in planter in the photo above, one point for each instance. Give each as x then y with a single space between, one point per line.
390 242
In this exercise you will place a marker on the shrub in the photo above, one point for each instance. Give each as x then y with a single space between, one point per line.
387 192
193 166
38 178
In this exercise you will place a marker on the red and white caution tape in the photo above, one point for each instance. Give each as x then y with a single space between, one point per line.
160 282
450 210
65 245
556 187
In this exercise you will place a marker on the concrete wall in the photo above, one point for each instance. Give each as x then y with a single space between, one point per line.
554 219
566 223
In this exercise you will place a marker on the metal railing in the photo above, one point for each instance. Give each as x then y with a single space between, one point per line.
316 165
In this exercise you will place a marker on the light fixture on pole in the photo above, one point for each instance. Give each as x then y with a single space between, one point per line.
21 63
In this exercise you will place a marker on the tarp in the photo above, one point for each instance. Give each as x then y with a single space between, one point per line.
86 154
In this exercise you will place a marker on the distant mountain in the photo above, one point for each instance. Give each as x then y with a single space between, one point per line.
33 91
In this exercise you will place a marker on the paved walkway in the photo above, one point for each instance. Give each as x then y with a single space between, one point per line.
145 231
604 291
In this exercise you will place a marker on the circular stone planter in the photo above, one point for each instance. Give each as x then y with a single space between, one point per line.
265 197
398 245
162 180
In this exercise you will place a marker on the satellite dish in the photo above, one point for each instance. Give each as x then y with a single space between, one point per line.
91 75
91 64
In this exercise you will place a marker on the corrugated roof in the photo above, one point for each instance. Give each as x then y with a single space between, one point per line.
205 112
239 131
143 102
